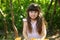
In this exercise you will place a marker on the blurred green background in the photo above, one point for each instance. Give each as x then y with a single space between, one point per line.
17 8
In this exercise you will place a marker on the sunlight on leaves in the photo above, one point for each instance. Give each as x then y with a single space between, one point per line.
53 3
3 13
3 8
36 0
59 8
21 16
30 0
13 0
21 7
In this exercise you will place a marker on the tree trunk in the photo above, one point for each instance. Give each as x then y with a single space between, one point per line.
52 15
13 25
5 24
59 2
5 28
49 7
47 12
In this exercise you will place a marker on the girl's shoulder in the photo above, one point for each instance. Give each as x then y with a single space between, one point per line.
25 22
24 19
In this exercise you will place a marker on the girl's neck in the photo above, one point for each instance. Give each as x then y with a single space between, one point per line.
32 20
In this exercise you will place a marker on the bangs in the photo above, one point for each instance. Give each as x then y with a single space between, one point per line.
33 9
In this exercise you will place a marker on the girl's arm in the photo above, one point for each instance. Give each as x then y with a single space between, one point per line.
25 28
43 30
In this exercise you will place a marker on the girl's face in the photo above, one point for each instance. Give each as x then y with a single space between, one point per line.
33 14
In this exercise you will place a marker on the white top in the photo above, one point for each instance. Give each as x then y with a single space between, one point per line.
34 33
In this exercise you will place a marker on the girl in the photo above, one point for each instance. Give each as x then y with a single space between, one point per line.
34 25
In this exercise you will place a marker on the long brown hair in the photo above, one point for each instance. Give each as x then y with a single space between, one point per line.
34 7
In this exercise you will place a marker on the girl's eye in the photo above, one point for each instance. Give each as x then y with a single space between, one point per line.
33 11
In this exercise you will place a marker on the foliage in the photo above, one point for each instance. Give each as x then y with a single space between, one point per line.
19 8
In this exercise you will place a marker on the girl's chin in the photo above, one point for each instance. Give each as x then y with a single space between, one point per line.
33 18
